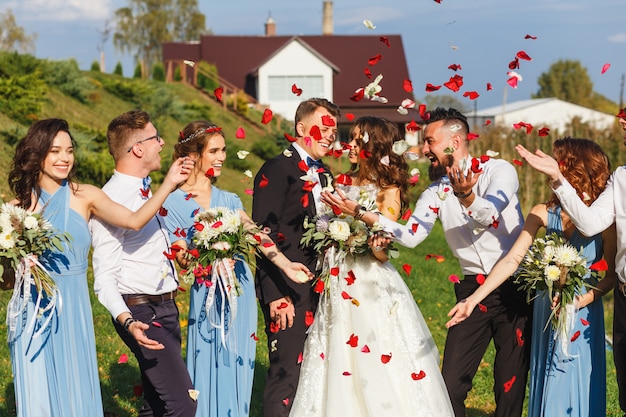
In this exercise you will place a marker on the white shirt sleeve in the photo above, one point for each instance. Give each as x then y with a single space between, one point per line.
419 225
589 220
501 187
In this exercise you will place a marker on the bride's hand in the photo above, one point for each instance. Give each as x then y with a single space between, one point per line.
339 200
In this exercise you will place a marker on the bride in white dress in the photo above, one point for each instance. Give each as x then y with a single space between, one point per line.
369 352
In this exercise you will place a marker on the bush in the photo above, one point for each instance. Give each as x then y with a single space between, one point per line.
265 149
118 69
138 74
95 66
67 77
207 76
233 161
22 87
158 72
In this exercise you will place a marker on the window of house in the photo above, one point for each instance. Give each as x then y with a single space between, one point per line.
280 87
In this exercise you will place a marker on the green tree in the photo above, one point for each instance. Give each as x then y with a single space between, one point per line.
446 101
95 66
118 69
13 38
144 25
158 72
566 80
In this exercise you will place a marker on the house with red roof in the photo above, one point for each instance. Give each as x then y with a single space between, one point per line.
272 69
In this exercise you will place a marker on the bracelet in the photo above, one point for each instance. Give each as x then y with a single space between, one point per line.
460 195
359 212
128 322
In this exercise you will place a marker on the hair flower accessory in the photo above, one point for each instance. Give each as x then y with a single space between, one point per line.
211 129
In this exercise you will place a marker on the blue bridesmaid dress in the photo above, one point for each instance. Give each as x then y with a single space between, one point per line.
221 370
56 373
572 384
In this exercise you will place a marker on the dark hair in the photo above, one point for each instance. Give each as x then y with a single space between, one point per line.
30 153
451 116
121 128
584 164
311 105
193 139
382 135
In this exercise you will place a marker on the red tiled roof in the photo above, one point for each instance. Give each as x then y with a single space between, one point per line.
238 57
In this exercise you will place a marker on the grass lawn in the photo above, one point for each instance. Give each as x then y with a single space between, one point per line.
429 285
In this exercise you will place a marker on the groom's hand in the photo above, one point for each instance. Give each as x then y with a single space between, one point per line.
282 312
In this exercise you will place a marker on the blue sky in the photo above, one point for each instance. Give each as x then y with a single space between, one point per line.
482 36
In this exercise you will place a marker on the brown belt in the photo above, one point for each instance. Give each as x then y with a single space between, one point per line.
138 299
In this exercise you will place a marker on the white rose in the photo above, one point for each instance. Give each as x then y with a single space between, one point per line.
339 230
30 222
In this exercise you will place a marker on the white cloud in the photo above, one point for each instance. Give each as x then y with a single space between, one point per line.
618 38
60 10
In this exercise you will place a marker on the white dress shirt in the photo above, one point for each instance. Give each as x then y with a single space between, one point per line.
478 235
312 172
127 261
609 208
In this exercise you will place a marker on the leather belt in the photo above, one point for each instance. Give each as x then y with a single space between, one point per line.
138 299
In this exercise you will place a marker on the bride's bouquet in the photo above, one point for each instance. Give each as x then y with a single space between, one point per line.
24 237
552 264
336 235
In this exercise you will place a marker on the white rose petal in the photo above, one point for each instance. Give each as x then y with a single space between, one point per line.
368 24
241 154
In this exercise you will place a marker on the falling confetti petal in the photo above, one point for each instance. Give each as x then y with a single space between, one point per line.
605 68
240 134
368 24
123 358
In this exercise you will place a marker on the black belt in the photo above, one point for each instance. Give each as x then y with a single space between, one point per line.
138 299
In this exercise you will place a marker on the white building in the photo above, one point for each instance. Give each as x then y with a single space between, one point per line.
552 113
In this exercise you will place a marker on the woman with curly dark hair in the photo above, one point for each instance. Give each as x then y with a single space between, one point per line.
572 380
53 350
369 348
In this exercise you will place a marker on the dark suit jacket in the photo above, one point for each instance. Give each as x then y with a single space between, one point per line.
278 205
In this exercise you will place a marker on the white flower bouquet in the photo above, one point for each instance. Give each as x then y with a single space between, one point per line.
218 235
24 237
552 264
335 236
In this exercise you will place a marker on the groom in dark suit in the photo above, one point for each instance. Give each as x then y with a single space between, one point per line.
287 190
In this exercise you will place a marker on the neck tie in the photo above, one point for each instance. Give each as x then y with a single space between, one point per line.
314 163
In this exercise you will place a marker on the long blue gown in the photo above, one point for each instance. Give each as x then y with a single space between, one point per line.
56 373
572 385
223 374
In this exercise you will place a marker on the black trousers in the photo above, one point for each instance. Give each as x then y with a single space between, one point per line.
506 320
285 347
166 382
619 343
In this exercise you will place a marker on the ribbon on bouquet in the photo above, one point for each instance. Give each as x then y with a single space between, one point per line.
223 283
565 325
24 279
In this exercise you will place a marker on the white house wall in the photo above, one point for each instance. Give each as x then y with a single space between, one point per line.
293 60
555 115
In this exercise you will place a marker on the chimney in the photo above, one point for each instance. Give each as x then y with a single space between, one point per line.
270 27
327 18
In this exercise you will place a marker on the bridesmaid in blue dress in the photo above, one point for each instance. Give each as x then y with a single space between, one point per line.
221 349
54 362
567 374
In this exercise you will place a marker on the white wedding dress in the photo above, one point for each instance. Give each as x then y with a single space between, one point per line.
369 352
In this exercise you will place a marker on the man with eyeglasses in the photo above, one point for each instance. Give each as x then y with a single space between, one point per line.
133 278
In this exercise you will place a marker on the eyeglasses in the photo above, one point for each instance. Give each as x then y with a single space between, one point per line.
157 137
